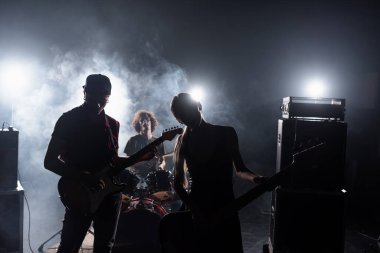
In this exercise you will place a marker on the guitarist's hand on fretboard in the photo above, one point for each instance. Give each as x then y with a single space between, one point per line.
248 175
122 162
260 179
149 155
148 164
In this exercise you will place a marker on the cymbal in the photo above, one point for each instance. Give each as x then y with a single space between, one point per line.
163 195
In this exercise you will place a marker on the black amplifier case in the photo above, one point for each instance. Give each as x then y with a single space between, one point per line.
11 220
8 159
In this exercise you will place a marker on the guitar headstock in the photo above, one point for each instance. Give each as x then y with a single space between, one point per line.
170 133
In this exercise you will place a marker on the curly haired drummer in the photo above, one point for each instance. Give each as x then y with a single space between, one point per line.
145 122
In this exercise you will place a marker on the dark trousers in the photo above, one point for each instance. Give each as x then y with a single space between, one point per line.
75 227
178 234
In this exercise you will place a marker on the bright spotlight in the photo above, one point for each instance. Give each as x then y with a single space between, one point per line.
316 88
197 94
15 77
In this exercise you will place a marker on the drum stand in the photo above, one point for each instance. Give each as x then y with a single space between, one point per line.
41 247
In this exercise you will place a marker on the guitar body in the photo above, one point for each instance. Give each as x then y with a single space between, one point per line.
86 198
177 232
81 197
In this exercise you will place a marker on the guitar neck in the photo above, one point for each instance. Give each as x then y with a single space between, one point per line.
248 197
268 185
139 154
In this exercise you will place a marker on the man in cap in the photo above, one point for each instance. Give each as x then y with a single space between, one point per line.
83 143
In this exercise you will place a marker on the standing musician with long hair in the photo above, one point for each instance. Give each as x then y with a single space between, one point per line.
210 153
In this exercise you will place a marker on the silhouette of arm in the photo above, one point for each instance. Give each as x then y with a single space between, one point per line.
52 160
180 181
241 169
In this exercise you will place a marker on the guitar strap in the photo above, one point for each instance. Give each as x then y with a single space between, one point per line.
113 146
111 136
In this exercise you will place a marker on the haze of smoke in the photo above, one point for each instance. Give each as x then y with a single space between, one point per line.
57 89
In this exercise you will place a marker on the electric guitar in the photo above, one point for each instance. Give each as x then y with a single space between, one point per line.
175 238
85 197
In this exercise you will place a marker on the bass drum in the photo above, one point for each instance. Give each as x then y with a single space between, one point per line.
138 227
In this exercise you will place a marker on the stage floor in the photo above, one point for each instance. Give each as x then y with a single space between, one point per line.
255 231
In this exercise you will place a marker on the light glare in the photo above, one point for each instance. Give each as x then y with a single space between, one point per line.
15 77
316 88
197 94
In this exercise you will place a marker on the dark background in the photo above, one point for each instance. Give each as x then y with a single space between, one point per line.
247 55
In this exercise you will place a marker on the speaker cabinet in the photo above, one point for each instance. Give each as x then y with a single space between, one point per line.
305 221
8 159
319 152
11 220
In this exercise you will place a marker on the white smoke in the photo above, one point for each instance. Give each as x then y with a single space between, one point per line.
56 88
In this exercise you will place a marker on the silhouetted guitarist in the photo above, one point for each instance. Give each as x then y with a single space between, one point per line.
211 154
85 142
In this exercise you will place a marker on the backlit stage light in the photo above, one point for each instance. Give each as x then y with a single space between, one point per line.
316 88
15 81
197 93
15 77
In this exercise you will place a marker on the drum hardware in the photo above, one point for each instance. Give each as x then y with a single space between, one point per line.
159 181
138 225
142 210
130 180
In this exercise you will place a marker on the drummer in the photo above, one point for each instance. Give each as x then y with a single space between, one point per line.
144 122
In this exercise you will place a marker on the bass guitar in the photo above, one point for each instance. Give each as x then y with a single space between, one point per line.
85 197
176 229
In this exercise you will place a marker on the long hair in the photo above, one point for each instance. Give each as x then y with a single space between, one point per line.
180 169
144 113
180 102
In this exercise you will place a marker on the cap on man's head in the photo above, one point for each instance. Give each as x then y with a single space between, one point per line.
98 84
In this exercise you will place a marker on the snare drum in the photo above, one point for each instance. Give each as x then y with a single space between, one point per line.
138 226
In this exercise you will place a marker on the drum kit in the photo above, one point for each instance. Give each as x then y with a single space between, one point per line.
145 200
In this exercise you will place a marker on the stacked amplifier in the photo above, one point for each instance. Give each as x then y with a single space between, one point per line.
308 207
11 193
